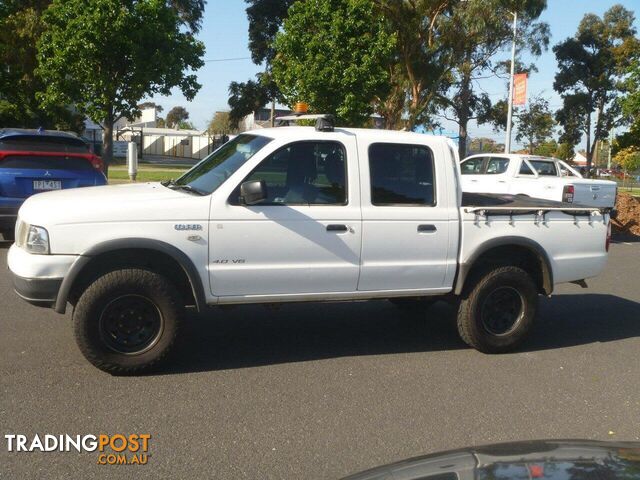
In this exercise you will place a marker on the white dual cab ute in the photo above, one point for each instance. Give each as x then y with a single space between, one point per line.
295 214
534 176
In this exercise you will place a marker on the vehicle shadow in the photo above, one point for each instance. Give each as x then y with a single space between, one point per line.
249 336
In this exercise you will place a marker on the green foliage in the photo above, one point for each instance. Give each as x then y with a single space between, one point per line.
628 158
480 29
221 124
265 19
21 26
104 56
535 124
565 151
247 97
176 116
334 55
485 145
589 77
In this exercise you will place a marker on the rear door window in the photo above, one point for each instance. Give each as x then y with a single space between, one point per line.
401 175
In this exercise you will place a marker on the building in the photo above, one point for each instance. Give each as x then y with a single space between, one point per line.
261 119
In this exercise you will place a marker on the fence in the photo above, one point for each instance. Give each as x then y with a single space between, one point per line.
180 144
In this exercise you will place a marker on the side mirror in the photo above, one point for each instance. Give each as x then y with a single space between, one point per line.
253 192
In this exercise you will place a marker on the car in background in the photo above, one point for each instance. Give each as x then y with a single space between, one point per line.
34 161
528 460
534 176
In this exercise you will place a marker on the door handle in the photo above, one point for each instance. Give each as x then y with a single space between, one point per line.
426 228
337 228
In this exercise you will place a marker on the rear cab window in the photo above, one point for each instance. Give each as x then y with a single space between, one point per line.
401 175
525 169
545 167
496 166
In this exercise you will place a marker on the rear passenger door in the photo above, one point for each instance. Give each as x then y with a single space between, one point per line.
406 218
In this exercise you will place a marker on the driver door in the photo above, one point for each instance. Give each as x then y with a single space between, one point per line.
304 238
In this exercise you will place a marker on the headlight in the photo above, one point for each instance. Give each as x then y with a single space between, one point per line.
37 240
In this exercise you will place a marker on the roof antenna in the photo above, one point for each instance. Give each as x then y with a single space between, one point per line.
40 130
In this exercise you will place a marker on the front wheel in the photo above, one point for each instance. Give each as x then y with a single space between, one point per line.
497 310
127 321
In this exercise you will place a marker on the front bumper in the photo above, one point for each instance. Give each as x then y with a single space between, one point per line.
41 292
37 278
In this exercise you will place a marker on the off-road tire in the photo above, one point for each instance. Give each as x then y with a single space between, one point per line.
95 301
471 326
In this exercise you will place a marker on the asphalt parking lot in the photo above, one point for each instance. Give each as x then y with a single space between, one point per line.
324 390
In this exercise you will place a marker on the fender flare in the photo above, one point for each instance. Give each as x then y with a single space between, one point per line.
531 245
126 244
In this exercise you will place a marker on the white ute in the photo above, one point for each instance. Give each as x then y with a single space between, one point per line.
294 214
534 176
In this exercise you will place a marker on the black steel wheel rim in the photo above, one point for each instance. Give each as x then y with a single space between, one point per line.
131 324
502 310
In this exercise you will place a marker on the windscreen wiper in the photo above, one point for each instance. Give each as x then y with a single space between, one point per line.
174 186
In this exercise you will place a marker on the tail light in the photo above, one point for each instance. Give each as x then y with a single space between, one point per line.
96 161
567 193
608 242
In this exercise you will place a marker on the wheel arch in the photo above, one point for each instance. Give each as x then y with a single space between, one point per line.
120 253
529 252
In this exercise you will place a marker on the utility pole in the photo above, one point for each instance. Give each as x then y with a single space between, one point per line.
507 143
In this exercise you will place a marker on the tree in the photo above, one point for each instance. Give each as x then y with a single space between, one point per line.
21 26
481 29
631 109
265 20
144 105
485 145
104 56
247 97
333 54
629 159
535 124
221 124
565 152
590 66
175 116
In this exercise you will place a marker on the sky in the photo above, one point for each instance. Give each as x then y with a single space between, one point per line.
224 33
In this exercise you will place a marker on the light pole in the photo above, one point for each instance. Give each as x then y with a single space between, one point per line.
507 143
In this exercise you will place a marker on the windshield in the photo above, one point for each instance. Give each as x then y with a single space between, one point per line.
211 172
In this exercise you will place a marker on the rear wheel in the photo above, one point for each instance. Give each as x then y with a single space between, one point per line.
127 321
498 309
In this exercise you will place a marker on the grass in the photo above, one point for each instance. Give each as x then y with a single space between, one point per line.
146 173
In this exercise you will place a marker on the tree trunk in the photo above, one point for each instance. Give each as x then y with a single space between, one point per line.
107 143
462 138
589 151
463 109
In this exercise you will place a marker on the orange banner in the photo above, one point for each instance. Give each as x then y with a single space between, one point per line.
520 89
